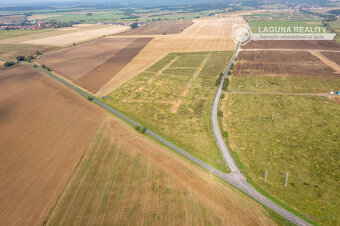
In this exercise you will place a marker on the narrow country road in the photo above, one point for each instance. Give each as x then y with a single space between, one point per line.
234 178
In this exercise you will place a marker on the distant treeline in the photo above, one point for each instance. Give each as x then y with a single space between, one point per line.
335 11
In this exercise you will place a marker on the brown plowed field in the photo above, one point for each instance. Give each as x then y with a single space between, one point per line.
44 130
99 76
98 61
281 63
158 28
291 44
332 56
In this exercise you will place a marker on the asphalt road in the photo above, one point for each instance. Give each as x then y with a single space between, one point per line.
235 177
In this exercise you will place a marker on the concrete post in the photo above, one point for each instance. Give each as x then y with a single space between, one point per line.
265 177
286 183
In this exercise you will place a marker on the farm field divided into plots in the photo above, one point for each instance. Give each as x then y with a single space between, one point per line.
174 97
44 131
275 63
285 121
92 64
206 34
126 178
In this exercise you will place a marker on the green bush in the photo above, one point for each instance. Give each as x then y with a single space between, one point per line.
229 73
225 134
220 114
20 58
9 63
140 129
43 66
222 95
232 66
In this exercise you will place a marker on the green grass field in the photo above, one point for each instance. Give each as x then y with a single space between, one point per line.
287 84
190 125
17 33
295 134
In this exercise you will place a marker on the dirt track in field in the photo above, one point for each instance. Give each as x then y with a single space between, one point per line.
92 64
151 181
209 34
290 63
335 57
300 44
158 28
327 61
44 130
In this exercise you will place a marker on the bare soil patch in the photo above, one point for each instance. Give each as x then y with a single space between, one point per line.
333 56
11 51
44 130
281 63
92 64
159 28
99 76
292 44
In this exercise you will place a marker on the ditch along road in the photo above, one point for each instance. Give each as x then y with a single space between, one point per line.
234 178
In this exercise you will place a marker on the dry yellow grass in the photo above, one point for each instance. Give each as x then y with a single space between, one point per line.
208 34
126 178
80 36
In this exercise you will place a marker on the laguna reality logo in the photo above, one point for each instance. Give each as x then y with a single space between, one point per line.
241 33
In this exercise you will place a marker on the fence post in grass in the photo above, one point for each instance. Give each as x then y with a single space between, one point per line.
286 183
265 176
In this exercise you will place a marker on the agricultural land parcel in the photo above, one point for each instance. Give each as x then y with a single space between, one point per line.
208 34
162 186
94 63
44 131
291 133
160 28
126 178
174 97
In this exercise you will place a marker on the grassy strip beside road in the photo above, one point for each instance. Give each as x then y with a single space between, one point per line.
283 84
282 138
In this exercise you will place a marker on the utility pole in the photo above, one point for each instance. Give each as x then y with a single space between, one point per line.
286 183
265 176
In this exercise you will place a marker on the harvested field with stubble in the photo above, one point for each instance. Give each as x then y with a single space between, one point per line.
126 178
207 34
160 28
300 44
92 64
289 63
78 36
44 130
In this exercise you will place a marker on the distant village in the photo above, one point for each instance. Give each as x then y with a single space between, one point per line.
26 25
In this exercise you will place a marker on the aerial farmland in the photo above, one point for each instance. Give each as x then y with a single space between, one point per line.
143 113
